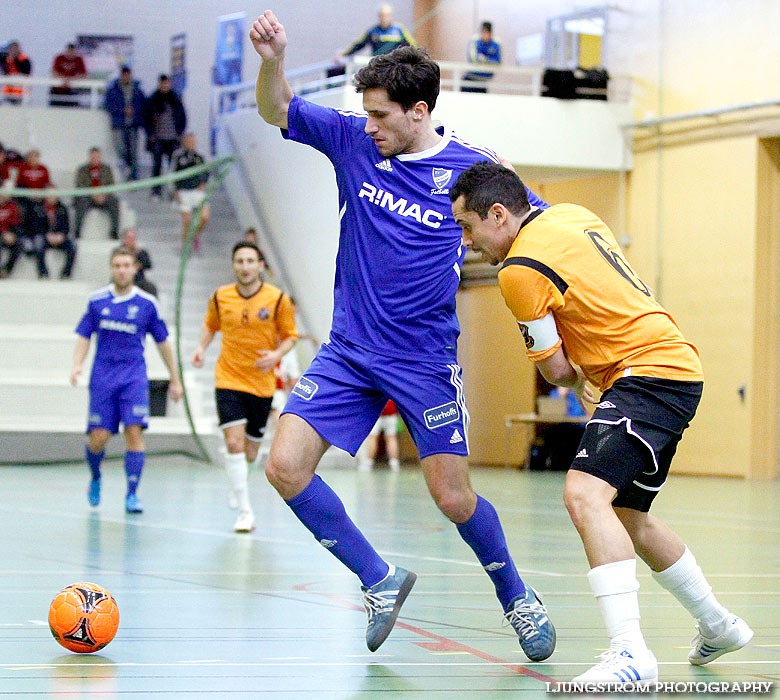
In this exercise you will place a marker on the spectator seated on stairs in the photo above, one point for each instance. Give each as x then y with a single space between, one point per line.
48 225
143 261
10 163
10 232
95 173
33 175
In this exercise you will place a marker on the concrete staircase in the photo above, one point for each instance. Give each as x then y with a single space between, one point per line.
42 418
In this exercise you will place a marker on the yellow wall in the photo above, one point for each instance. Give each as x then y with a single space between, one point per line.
704 279
497 376
589 51
701 203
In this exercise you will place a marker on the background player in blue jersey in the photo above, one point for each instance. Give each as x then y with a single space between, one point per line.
394 332
120 315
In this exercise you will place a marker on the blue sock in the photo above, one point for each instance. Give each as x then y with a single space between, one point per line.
322 512
93 461
134 465
482 532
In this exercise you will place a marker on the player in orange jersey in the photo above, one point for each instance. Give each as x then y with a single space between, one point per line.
257 322
587 318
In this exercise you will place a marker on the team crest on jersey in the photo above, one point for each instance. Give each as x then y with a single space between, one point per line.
441 176
529 341
132 312
263 314
106 311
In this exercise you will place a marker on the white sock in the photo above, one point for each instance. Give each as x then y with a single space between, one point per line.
236 468
685 581
616 589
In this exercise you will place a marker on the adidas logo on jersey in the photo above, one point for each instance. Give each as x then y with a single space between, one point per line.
581 453
456 437
385 165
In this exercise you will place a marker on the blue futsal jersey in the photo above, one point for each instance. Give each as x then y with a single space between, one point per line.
400 251
121 325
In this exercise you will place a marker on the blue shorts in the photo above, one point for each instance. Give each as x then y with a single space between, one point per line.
126 401
345 388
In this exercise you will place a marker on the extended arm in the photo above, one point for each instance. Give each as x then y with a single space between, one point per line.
175 389
557 370
79 355
206 336
272 91
268 359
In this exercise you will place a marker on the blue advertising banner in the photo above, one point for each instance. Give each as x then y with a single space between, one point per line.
178 63
227 62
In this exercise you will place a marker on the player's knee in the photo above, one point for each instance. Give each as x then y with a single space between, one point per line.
281 473
578 500
234 444
457 505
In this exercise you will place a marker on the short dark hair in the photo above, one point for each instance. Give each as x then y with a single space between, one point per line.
485 183
408 74
163 77
487 27
247 244
121 250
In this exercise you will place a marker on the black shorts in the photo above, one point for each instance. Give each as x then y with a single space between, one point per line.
236 407
633 434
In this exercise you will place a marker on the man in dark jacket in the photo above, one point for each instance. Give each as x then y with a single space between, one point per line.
47 224
125 103
95 173
164 121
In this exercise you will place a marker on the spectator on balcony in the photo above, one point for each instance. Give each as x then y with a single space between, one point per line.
125 103
142 261
68 66
95 173
10 232
14 62
383 37
250 235
484 49
49 227
164 121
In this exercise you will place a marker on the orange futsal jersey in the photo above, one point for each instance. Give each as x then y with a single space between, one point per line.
566 262
249 324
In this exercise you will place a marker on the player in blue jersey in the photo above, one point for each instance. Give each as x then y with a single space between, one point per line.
394 331
120 315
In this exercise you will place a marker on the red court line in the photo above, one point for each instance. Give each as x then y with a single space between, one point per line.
440 643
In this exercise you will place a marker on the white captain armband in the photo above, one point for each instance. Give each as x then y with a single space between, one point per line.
539 335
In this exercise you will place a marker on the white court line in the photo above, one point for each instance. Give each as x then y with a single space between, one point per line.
333 574
273 540
231 535
310 662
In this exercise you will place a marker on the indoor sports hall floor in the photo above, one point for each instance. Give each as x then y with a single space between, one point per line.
209 613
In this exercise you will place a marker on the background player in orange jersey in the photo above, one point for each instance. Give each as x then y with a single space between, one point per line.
586 317
257 322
